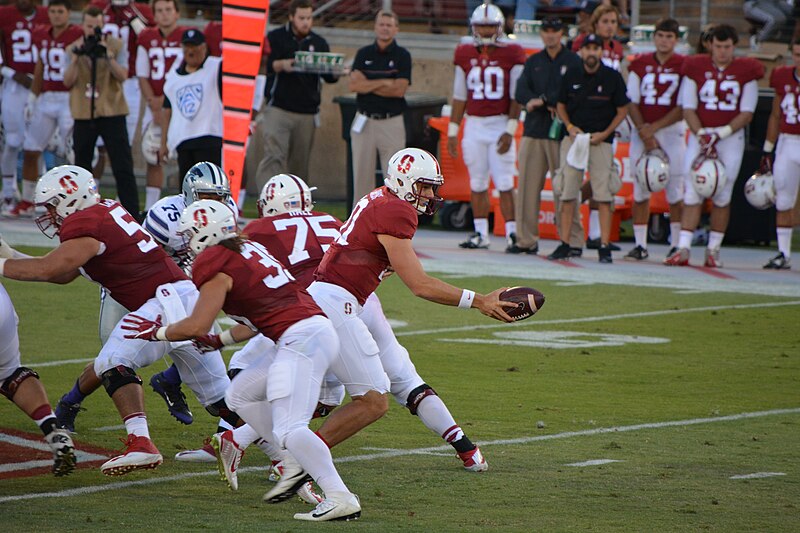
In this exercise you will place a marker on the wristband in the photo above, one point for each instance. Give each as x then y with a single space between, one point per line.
467 297
161 334
724 132
226 338
7 72
2 267
768 146
452 129
511 126
137 25
570 126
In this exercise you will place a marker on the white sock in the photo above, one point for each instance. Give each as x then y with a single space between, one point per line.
240 201
151 196
136 424
511 227
685 240
785 241
640 235
453 434
674 232
275 454
315 457
435 415
9 186
224 425
28 190
245 436
715 240
482 227
594 224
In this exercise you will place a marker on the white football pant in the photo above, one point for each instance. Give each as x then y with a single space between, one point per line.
479 152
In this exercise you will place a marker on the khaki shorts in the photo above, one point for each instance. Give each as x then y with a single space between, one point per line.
601 167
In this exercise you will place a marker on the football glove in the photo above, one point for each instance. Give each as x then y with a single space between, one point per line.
140 327
707 140
765 165
208 343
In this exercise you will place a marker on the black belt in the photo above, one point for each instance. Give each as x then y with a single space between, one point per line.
380 116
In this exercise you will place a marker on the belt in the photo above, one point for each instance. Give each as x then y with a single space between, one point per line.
380 116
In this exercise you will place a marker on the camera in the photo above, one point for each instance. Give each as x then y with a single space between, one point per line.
92 45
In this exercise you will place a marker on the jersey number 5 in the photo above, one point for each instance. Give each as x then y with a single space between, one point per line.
131 227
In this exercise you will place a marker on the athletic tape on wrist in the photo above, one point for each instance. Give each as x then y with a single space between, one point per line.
161 333
452 129
768 146
226 338
2 267
467 297
511 126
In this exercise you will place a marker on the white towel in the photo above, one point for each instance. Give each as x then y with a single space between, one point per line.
578 155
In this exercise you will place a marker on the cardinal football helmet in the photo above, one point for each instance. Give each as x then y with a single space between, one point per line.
759 189
151 142
652 170
207 179
206 223
487 15
62 191
409 168
284 193
708 175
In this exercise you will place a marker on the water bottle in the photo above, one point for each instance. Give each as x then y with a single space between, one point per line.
555 129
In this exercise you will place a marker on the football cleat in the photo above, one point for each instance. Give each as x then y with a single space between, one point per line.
204 454
229 455
335 506
66 413
604 254
63 452
712 259
779 262
140 454
292 478
637 254
308 495
7 206
575 252
672 251
475 242
474 461
275 471
23 208
594 244
679 258
562 252
174 397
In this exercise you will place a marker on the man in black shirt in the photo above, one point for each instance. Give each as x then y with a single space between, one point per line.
380 76
537 90
592 101
292 98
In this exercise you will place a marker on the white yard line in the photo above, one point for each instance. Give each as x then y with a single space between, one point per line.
595 462
758 475
414 451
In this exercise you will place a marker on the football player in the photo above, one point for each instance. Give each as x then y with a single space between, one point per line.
653 83
17 62
47 110
102 241
719 93
158 48
486 74
784 127
277 394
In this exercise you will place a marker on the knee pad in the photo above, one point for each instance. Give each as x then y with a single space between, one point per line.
221 409
9 387
417 395
117 377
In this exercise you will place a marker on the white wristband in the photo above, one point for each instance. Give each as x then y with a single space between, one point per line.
724 132
161 333
467 297
7 72
226 338
2 267
511 126
769 146
452 129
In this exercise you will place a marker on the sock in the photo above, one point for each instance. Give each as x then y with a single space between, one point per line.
273 452
75 395
715 240
9 186
482 227
640 234
136 424
28 190
151 196
240 201
223 425
685 240
594 224
455 437
511 227
674 233
315 457
44 418
434 414
171 375
785 241
245 435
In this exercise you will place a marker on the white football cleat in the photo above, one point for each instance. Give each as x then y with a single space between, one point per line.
474 461
140 454
275 471
229 455
307 494
206 454
335 506
63 452
293 477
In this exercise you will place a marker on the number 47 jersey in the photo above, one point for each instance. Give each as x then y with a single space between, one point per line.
490 74
653 86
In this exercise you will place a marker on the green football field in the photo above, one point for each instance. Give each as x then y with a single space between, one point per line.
615 408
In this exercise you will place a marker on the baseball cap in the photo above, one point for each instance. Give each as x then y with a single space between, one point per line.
592 38
552 23
588 6
193 36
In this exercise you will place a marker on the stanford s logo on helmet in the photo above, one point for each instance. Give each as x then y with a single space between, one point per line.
707 175
285 193
759 189
62 191
206 223
410 169
652 170
487 15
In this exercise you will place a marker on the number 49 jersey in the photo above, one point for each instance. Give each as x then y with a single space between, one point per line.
490 75
653 86
787 91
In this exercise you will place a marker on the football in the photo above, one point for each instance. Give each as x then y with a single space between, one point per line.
528 301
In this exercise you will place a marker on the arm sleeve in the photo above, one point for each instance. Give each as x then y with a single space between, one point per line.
633 87
514 77
688 96
142 62
460 85
749 99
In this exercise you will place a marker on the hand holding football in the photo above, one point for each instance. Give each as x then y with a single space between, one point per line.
528 301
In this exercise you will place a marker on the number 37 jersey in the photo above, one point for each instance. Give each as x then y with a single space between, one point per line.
490 75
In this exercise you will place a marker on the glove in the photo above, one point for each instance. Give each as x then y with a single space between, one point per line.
208 343
142 328
765 165
707 139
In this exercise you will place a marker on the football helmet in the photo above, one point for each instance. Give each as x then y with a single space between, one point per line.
62 191
759 189
652 170
206 178
409 168
487 15
206 223
284 193
151 142
708 175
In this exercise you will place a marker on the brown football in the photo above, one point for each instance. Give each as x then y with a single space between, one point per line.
528 301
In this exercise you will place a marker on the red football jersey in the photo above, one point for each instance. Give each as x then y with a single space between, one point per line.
787 91
18 50
719 92
160 52
357 260
264 295
117 23
131 264
658 84
54 54
613 52
298 240
213 33
488 73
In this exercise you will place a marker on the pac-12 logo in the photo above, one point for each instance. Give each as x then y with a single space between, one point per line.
405 163
200 218
68 184
190 98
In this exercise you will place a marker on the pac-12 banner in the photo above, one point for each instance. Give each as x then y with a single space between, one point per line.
243 26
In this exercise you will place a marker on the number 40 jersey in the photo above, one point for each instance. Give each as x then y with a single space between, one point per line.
490 74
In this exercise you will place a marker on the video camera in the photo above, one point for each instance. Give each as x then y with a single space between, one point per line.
92 45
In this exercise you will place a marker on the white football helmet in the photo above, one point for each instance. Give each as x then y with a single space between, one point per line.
652 170
708 175
151 142
62 191
412 166
759 189
284 193
487 15
206 178
206 223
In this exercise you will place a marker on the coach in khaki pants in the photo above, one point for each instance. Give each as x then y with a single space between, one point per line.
537 90
380 76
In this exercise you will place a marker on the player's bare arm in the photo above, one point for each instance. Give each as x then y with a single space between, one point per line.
59 266
774 122
208 306
456 115
572 129
166 116
692 120
505 140
38 77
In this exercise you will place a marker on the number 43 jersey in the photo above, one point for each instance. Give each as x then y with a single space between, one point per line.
490 74
653 86
787 91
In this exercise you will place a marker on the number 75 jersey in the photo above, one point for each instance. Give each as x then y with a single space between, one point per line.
653 86
490 75
787 91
